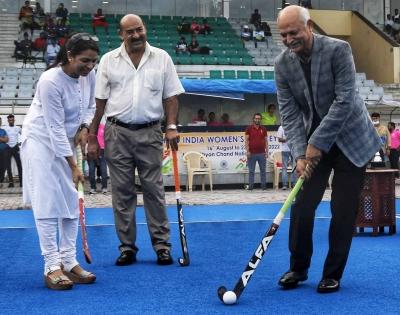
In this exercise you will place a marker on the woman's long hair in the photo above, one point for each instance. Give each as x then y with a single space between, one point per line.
75 44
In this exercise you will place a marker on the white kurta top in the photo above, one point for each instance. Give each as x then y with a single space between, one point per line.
60 105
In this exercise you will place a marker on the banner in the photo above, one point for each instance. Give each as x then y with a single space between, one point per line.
225 150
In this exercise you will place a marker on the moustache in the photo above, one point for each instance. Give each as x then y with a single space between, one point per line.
294 44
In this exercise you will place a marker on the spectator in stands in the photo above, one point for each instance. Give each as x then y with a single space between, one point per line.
63 40
394 147
13 133
194 47
201 116
26 16
23 48
384 135
225 120
181 46
256 143
258 33
287 158
305 4
388 23
396 29
62 28
99 19
255 17
205 28
269 117
61 14
40 43
3 153
211 120
52 50
39 15
194 27
183 26
396 14
246 33
49 26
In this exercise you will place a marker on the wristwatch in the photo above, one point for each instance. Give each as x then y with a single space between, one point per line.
84 126
172 127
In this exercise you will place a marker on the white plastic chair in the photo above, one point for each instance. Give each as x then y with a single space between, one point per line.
197 164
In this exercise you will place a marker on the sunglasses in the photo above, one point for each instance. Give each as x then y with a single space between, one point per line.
83 36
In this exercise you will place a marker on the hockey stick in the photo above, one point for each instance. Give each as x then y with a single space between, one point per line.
231 297
82 219
185 261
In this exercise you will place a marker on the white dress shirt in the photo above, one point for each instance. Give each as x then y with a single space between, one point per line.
136 95
281 134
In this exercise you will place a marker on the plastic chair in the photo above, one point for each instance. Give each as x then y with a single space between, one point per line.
277 161
197 164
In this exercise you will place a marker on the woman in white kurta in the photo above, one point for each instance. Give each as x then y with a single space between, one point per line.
58 119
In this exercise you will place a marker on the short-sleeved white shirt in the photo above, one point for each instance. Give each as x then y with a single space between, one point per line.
281 134
135 95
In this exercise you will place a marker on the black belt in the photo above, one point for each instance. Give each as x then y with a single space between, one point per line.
132 126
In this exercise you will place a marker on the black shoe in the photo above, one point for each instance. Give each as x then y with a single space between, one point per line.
328 285
126 258
291 279
164 257
11 185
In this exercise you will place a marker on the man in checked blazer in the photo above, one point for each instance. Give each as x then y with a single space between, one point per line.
327 127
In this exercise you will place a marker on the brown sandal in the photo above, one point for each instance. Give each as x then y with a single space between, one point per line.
56 282
81 277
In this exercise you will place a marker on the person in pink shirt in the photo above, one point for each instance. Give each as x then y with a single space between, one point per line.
211 120
394 147
101 161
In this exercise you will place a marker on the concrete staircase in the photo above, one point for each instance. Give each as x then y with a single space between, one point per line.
9 26
265 52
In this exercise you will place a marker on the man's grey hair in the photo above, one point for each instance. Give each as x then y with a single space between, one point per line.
304 15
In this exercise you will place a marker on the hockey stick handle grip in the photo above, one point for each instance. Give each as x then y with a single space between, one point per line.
176 172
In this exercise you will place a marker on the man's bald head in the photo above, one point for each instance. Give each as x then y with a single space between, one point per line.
294 13
133 33
295 28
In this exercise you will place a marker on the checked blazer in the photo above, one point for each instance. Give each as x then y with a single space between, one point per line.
344 117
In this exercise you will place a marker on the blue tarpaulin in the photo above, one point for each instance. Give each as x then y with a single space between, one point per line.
229 86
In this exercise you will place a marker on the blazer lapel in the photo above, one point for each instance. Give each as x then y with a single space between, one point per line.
315 66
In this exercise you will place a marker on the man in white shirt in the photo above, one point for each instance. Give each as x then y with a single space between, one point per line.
135 83
287 158
13 133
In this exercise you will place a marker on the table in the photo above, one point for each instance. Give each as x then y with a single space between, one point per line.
377 202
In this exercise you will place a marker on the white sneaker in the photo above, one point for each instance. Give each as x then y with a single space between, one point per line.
284 187
104 191
92 191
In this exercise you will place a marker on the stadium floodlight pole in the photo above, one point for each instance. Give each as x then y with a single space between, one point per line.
185 261
82 218
231 297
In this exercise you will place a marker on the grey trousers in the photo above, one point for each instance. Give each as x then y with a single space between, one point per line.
125 151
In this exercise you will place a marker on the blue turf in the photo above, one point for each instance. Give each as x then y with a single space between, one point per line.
219 252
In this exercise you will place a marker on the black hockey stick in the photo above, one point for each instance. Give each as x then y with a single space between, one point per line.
185 261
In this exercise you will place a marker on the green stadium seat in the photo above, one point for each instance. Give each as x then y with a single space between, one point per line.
197 60
184 60
215 74
235 60
269 75
242 74
247 61
229 74
256 75
223 60
210 60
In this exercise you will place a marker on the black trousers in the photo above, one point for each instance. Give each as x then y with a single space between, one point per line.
14 153
394 160
346 189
